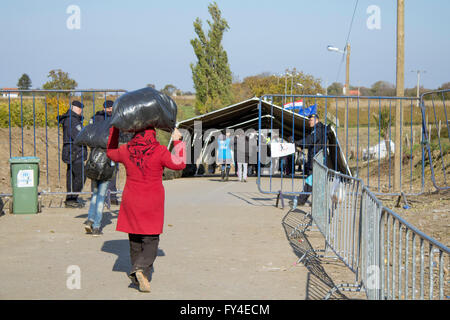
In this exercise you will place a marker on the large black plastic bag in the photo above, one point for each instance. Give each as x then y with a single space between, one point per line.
140 109
95 135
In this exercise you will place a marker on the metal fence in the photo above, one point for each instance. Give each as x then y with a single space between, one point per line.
436 131
412 265
365 130
389 257
29 127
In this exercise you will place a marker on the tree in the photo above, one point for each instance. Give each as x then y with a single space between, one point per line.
211 74
24 82
169 89
335 89
265 83
60 80
384 122
444 86
383 88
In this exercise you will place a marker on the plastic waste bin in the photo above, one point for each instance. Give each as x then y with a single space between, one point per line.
25 181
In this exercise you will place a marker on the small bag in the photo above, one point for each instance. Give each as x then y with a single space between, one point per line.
337 191
98 166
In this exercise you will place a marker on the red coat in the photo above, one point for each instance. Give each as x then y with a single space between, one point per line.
142 207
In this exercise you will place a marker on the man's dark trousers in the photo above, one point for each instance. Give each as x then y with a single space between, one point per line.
75 179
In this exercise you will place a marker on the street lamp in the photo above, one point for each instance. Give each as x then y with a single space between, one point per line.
331 48
347 73
298 84
287 74
346 88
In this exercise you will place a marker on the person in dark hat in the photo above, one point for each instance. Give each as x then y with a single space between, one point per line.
73 155
314 142
102 115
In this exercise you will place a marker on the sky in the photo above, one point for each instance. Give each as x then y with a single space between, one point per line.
129 44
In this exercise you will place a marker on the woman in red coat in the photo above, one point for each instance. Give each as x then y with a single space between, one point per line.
141 213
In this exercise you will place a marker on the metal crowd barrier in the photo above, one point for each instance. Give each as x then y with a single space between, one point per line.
30 118
436 131
336 211
412 265
389 257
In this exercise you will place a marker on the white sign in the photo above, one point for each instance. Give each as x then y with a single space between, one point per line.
281 149
25 178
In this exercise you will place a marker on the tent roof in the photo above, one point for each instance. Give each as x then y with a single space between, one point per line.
245 114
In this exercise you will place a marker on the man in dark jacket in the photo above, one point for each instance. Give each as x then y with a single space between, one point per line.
102 115
314 142
73 155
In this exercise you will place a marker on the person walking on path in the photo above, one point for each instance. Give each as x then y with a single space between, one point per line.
101 170
314 143
73 155
242 155
141 213
224 157
99 116
253 154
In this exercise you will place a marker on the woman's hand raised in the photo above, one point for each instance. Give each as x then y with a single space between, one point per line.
176 135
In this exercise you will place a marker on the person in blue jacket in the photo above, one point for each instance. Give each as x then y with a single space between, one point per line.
225 157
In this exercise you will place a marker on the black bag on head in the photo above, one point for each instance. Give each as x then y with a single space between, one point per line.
143 108
99 166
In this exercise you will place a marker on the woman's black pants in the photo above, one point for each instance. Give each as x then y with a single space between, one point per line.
143 251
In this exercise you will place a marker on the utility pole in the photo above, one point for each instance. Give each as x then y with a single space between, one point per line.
418 83
285 81
346 88
347 92
399 93
347 71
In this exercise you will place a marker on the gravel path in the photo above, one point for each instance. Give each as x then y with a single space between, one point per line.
221 241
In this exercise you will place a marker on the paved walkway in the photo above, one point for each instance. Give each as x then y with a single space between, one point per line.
221 241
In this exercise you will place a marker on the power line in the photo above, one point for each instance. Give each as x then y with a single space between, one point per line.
346 41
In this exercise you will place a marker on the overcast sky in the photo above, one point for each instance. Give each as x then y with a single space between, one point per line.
128 44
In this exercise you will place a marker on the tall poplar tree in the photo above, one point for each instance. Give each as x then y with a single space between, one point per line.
211 74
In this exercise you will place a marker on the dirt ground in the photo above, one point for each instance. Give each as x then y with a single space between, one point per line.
221 240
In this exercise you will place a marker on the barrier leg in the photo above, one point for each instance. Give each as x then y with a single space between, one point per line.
280 197
343 287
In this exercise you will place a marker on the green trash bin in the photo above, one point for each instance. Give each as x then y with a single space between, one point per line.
25 182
